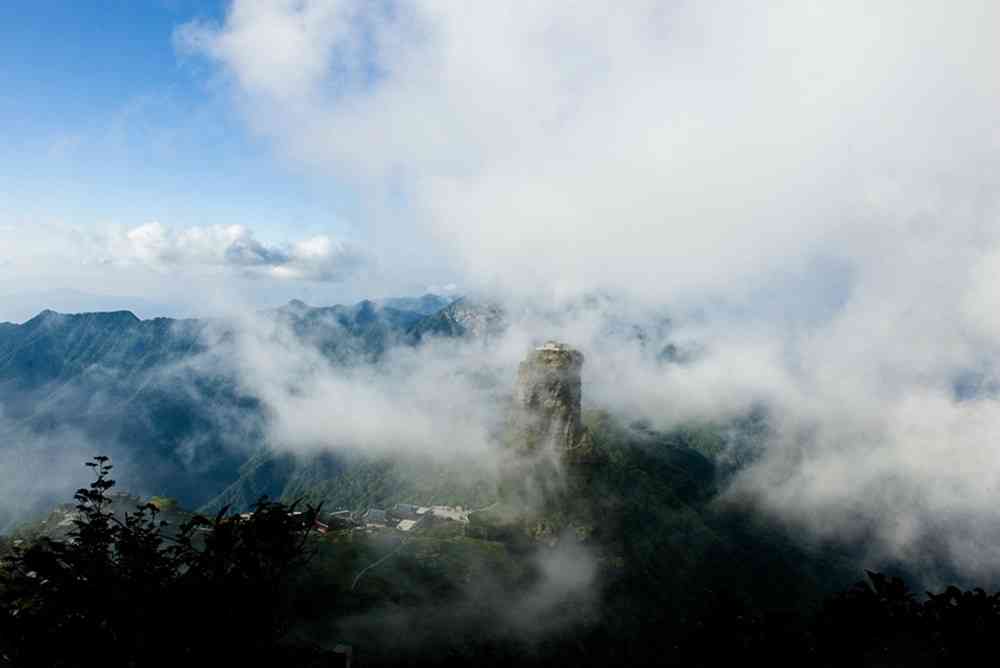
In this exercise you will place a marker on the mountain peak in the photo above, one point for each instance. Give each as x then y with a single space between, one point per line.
44 317
547 402
295 307
365 311
49 318
123 316
548 393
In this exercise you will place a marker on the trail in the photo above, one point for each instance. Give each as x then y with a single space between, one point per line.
357 578
484 508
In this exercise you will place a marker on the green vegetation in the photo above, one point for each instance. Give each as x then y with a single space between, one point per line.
639 561
118 593
163 503
359 481
665 555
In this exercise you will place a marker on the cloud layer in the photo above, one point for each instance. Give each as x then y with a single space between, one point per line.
810 187
665 149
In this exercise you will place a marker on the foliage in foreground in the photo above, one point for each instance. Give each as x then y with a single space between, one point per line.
120 593
876 622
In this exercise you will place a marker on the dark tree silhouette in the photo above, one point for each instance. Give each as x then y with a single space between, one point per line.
122 592
875 622
880 622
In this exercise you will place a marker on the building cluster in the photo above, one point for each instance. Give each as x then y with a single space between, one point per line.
402 517
317 525
407 516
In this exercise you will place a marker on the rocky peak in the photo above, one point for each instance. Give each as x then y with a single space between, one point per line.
478 319
551 461
547 395
365 312
547 402
462 318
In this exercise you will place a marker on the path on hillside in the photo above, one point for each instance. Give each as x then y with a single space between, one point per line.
484 508
357 578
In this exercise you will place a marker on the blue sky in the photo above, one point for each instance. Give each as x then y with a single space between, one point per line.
103 122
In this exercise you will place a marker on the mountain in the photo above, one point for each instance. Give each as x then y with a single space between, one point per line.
21 306
150 393
462 318
161 396
621 558
628 547
425 305
58 348
357 481
602 541
360 333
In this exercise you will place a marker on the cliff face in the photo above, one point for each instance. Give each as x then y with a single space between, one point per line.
547 398
546 482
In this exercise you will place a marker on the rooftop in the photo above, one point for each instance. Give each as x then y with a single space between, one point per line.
553 345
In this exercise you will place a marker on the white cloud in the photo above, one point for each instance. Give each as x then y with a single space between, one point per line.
446 289
46 250
204 270
662 149
318 258
816 181
314 405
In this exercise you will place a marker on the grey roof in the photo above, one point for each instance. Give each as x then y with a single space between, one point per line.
406 508
375 515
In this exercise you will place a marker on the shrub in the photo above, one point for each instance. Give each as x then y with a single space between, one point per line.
119 592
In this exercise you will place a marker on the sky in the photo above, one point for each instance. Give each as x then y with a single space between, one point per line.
808 188
193 154
105 126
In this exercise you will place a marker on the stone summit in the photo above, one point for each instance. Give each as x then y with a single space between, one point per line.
546 413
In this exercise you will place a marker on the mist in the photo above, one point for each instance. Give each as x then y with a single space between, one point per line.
869 442
808 190
40 471
788 208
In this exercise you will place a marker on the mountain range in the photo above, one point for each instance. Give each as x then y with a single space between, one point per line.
161 395
630 542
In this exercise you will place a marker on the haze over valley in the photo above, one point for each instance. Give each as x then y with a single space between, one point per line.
577 332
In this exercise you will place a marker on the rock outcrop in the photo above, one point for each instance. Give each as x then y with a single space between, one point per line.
547 476
546 415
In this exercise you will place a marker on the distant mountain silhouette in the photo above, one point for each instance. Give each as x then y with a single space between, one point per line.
21 306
